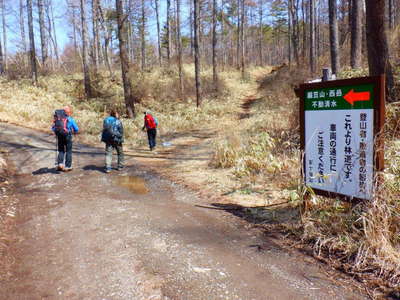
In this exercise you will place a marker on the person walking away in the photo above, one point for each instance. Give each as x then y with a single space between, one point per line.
63 127
150 124
113 137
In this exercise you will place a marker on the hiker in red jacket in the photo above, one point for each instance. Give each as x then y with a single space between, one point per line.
150 124
63 127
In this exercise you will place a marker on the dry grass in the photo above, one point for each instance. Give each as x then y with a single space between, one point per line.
7 222
33 107
362 239
262 152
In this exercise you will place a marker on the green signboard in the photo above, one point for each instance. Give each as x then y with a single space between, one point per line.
345 97
340 122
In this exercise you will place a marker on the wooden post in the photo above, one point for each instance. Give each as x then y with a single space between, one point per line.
326 74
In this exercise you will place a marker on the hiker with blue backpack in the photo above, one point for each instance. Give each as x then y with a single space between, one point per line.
113 137
63 127
150 124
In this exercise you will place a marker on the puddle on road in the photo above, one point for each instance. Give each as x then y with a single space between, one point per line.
134 184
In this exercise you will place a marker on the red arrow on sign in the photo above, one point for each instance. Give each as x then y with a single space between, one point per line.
352 96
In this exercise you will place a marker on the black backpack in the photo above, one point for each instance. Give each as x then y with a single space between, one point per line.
60 122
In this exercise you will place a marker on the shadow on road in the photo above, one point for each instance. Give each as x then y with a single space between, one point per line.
94 168
42 171
260 214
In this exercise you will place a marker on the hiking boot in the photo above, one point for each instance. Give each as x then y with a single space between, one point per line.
119 168
60 167
107 170
68 169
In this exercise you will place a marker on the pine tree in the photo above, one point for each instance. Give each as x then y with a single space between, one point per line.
356 34
334 36
32 50
85 56
378 49
124 58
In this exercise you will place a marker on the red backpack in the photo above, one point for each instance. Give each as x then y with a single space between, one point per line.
60 122
149 121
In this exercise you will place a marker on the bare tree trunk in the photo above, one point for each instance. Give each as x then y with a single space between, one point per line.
202 39
334 36
22 26
191 28
242 42
106 41
22 29
196 51
158 34
32 50
238 37
128 9
130 39
378 49
313 66
3 15
260 32
178 33
356 34
143 37
130 43
303 11
214 44
85 43
168 31
74 29
317 30
293 11
54 33
391 14
289 36
95 30
49 30
43 37
224 47
1 60
123 53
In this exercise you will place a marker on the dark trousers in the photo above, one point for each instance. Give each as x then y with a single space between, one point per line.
151 134
65 149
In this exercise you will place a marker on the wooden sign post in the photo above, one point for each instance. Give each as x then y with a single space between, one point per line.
341 123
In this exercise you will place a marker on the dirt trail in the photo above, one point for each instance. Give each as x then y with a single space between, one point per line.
246 106
135 235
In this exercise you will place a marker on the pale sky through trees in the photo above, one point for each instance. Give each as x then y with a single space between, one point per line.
64 28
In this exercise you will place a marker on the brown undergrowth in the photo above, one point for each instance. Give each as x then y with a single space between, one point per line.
361 239
7 220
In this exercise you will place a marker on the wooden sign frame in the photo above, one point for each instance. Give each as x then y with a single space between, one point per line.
378 83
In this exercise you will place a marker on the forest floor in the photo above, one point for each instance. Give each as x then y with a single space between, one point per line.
186 156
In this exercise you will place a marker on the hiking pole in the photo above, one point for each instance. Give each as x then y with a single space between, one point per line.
77 148
56 161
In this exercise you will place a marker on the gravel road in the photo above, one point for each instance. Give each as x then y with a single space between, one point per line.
133 235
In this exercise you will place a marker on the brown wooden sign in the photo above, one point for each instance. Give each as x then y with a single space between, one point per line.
341 125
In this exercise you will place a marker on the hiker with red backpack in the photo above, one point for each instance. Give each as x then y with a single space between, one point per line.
113 137
150 124
63 127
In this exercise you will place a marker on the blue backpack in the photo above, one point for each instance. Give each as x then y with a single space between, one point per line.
110 131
